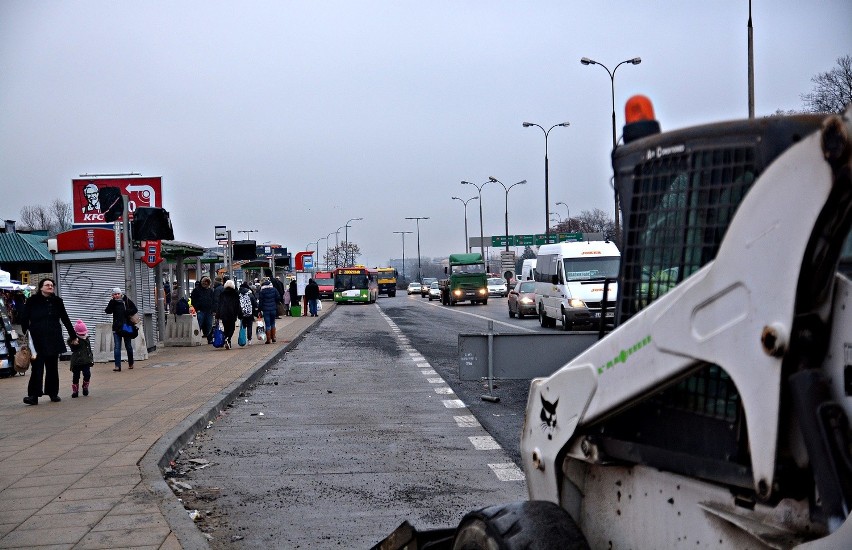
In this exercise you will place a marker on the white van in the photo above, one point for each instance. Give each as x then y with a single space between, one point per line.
570 282
528 270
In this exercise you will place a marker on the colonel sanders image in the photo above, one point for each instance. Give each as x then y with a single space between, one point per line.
92 202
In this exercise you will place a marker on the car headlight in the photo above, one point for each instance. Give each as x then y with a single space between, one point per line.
526 300
575 302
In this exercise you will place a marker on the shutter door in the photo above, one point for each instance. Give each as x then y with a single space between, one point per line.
85 287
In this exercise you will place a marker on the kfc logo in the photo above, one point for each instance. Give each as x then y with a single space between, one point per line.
141 192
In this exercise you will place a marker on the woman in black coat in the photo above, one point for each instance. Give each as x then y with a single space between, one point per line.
228 310
122 309
44 315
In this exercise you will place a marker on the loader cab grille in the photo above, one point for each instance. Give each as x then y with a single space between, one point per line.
679 192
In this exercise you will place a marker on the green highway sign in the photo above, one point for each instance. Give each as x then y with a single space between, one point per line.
535 240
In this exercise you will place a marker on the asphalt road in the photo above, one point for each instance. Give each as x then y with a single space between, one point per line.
361 426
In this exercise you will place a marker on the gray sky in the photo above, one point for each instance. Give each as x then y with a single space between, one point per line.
293 117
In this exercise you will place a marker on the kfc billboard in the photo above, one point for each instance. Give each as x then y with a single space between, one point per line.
141 192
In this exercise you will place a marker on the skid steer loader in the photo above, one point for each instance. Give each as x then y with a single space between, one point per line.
716 414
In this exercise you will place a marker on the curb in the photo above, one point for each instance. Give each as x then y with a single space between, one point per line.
167 447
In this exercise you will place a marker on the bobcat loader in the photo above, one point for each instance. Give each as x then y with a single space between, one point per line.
716 414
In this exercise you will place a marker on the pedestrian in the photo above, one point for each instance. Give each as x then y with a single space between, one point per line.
248 307
287 312
312 296
279 286
268 303
228 310
122 309
202 301
167 295
43 317
218 287
294 293
82 359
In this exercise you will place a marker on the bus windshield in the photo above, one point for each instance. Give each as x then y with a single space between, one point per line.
350 282
324 281
582 269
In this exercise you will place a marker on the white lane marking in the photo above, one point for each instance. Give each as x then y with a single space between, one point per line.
466 421
484 318
454 404
507 472
435 380
317 362
484 442
429 372
444 391
423 365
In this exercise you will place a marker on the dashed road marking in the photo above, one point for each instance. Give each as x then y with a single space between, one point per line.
454 404
438 380
484 443
429 372
444 391
507 472
466 421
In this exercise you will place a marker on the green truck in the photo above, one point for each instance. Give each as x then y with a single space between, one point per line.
465 281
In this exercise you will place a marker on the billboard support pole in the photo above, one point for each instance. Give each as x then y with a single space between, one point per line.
129 286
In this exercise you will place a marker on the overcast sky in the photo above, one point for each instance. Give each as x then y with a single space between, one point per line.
292 117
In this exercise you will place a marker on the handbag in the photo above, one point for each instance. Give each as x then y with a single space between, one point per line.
23 355
218 336
129 331
134 319
242 339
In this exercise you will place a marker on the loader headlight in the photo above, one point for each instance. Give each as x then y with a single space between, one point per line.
575 302
457 292
483 291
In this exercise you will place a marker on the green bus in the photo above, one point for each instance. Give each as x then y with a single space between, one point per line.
355 284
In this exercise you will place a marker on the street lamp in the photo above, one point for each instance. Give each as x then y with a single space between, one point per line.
566 208
634 61
481 233
403 233
337 247
507 189
546 172
327 239
326 248
464 202
419 271
346 241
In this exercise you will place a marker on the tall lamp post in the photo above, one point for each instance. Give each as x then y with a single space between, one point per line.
326 247
464 202
506 189
546 171
419 271
346 241
568 210
634 61
327 240
403 233
337 247
481 233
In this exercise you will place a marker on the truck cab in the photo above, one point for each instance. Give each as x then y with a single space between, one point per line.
466 280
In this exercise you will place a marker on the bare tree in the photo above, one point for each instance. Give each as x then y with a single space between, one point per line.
832 89
53 219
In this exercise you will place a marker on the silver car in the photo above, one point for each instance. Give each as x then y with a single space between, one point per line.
497 287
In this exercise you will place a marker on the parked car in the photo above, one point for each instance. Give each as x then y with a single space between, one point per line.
522 299
413 288
434 291
425 284
497 287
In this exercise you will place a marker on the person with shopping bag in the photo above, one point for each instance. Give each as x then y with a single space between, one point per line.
228 310
312 296
43 318
122 309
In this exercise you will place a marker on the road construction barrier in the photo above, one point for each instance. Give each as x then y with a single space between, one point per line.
102 347
183 331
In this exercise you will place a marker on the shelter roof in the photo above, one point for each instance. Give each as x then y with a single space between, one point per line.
23 247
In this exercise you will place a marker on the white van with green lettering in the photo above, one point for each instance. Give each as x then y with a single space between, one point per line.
570 280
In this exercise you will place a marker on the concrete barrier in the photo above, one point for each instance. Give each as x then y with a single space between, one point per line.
183 331
102 347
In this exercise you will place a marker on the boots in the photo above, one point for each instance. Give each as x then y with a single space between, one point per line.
74 389
85 387
272 335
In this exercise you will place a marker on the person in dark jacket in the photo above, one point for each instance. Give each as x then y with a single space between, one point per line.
279 286
122 309
218 287
229 310
82 359
43 317
247 320
294 294
312 296
268 302
202 301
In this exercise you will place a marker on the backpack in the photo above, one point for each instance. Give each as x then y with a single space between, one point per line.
245 304
182 307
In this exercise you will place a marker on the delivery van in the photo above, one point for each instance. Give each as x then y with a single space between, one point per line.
570 279
528 270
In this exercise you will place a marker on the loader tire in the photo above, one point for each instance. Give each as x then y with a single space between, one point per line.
535 524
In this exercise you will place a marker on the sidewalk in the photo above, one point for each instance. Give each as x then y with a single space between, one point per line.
84 473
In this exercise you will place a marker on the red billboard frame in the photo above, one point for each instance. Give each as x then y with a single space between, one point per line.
141 191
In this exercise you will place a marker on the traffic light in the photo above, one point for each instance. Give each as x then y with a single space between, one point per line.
151 224
111 204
